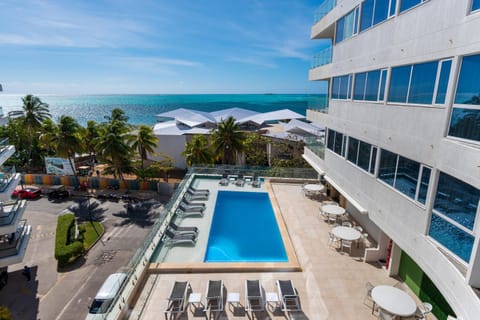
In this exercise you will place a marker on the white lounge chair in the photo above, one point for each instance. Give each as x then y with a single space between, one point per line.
288 296
189 203
224 180
256 183
176 301
254 300
192 196
214 298
240 182
198 191
172 238
182 230
183 211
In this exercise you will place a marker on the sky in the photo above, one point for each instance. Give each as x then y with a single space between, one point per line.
157 46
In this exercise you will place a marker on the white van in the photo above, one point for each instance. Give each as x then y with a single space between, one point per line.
105 296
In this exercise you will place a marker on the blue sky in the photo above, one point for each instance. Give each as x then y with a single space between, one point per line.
181 46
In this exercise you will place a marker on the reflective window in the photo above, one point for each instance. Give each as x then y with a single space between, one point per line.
352 150
443 81
373 160
407 4
337 147
475 5
341 87
457 200
465 124
376 11
347 26
422 83
330 139
399 81
468 87
383 81
367 85
403 174
416 83
336 142
359 87
454 239
364 151
362 154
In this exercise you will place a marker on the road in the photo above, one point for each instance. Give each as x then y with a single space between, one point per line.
66 294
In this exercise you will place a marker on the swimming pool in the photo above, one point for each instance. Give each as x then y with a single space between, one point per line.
244 229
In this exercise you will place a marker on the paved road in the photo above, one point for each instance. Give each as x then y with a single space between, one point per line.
66 293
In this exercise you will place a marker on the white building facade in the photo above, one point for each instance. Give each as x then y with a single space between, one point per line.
403 139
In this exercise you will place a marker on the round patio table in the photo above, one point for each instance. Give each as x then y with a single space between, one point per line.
346 233
314 187
333 210
394 300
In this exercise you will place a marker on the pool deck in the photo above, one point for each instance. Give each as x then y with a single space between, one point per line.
331 284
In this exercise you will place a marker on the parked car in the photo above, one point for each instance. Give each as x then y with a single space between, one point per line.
58 192
27 193
105 296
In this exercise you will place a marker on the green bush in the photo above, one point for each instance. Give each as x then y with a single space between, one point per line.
92 232
67 249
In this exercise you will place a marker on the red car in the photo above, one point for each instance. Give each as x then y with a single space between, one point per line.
27 193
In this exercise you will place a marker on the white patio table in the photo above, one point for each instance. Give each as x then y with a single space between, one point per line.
346 233
313 189
394 300
333 210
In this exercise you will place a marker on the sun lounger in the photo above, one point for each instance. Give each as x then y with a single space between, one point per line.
224 180
288 296
253 296
198 191
240 182
256 182
183 211
172 238
177 300
191 196
214 298
182 230
188 204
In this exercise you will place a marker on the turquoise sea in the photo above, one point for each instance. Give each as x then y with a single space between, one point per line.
141 109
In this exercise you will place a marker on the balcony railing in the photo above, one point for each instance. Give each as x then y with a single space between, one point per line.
4 144
10 243
322 58
8 211
323 10
316 145
6 175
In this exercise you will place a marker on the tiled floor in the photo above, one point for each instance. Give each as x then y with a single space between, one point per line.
331 284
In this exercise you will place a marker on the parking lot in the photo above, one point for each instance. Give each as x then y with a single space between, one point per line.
66 293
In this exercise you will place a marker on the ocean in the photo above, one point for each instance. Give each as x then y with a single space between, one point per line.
141 109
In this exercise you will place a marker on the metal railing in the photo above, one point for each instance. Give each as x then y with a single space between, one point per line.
8 215
322 58
323 10
6 175
316 145
9 245
4 143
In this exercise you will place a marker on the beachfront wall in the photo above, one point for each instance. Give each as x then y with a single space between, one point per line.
432 31
172 146
91 182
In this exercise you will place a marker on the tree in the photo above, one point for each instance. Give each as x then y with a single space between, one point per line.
227 140
90 136
255 148
145 142
198 151
35 111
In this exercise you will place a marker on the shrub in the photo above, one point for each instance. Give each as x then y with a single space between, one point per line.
66 249
93 231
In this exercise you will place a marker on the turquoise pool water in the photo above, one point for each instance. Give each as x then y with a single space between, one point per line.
244 229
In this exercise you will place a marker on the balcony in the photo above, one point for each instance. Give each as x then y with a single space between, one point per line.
322 58
7 174
10 215
316 145
323 10
13 245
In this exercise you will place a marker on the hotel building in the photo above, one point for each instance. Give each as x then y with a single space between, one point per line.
402 150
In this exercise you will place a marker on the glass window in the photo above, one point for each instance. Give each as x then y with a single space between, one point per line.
340 30
399 82
337 147
371 89
347 26
407 4
443 81
454 239
335 87
465 123
344 146
344 85
341 88
373 160
424 182
364 155
422 83
383 81
381 11
376 11
468 87
367 14
393 7
330 139
388 165
475 5
359 87
352 150
406 178
457 200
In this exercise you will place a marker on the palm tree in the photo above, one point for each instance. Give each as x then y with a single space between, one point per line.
90 135
228 140
145 142
35 111
198 151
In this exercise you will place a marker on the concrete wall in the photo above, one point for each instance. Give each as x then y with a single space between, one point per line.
172 146
434 30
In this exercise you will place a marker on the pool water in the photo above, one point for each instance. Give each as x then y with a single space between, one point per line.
244 229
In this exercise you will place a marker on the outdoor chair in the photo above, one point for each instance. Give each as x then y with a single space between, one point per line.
254 300
171 238
224 180
332 218
384 315
183 211
332 240
288 296
176 301
256 183
192 190
182 230
347 244
422 310
214 298
193 204
240 181
194 197
347 224
368 294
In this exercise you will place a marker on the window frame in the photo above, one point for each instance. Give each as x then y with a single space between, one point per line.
355 25
372 24
411 8
371 157
349 87
383 75
471 7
